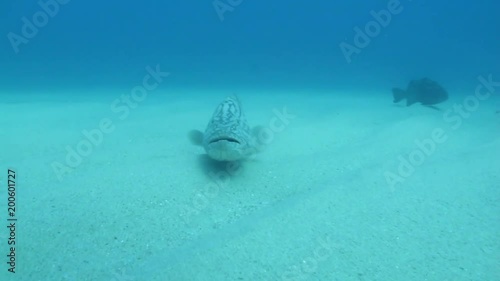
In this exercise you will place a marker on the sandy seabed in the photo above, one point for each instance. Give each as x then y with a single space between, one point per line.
349 187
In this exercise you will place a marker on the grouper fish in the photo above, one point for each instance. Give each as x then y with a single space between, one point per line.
228 136
425 91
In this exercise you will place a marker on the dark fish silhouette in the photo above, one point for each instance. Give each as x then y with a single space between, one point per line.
425 91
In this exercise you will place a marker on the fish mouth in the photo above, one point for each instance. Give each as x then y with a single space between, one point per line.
228 139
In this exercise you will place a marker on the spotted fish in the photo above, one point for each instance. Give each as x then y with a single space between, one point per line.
228 136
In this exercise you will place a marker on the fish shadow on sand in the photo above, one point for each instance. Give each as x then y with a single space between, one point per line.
428 106
433 107
216 169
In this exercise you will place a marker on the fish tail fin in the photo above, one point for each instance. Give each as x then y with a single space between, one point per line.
398 94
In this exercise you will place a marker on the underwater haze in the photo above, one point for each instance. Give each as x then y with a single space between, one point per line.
249 140
253 44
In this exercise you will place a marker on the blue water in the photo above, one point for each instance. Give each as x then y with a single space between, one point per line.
70 50
259 44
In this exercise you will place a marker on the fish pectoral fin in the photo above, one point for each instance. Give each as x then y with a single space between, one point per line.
256 130
258 142
257 134
196 137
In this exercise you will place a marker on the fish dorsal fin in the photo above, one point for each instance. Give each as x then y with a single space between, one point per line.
235 97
